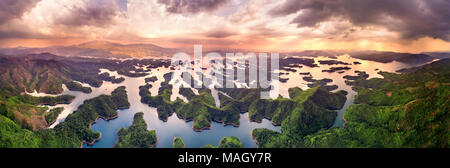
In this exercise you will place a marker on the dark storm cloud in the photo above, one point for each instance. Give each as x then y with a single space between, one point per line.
11 9
100 14
411 18
191 6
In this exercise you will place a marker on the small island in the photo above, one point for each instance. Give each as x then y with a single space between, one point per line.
335 69
230 142
332 62
178 143
137 135
227 142
75 86
106 77
151 79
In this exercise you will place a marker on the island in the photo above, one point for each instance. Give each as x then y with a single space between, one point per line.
227 142
201 108
335 69
137 135
178 143
398 110
230 142
151 79
332 62
75 86
106 77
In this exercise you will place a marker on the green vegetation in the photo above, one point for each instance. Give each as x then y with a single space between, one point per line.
162 101
13 136
70 133
400 110
198 108
24 109
5 112
209 146
307 112
178 143
137 135
51 116
75 86
120 98
45 100
230 142
313 103
202 110
227 142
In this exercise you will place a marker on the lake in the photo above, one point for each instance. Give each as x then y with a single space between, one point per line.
175 127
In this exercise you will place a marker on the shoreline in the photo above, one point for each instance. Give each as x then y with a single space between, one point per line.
253 138
90 127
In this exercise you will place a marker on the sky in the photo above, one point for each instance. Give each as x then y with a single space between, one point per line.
260 25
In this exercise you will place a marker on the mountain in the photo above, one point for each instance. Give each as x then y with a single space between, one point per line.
378 56
438 55
68 51
131 50
385 57
98 49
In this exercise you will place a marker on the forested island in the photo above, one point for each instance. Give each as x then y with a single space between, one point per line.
75 86
178 143
200 108
227 142
398 110
137 135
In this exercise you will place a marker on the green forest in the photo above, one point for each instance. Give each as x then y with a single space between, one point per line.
137 135
400 110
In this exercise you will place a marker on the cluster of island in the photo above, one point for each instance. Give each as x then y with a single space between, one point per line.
398 110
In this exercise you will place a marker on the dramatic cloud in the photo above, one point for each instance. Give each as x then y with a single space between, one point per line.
286 25
11 9
98 13
191 6
413 19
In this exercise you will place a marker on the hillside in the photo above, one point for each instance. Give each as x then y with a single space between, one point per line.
71 133
401 110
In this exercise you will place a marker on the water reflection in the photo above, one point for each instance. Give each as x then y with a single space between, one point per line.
179 128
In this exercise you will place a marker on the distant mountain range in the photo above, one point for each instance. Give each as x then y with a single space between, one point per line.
105 49
101 49
378 56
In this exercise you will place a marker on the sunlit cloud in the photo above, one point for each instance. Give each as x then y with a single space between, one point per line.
400 25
